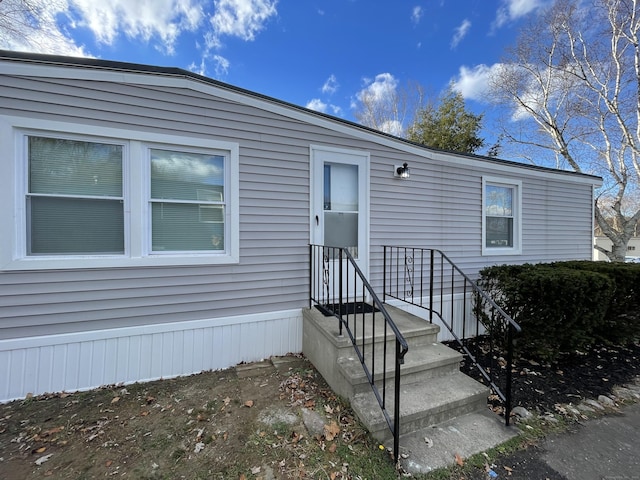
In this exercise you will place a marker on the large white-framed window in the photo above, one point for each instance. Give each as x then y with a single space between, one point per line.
501 216
90 197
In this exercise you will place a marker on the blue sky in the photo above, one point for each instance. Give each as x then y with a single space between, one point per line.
317 53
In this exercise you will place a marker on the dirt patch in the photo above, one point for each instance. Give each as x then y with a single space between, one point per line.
269 420
240 423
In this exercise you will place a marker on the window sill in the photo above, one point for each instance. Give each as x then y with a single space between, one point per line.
492 252
94 262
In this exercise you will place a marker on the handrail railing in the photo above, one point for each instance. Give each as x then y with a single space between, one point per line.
428 279
340 289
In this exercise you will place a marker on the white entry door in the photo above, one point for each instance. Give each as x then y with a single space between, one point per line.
340 207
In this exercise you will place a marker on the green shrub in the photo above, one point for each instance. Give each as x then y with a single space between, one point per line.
559 309
622 319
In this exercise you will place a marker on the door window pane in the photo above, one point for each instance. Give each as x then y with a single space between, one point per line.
341 206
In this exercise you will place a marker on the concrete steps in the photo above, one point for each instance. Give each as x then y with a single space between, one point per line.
423 403
433 390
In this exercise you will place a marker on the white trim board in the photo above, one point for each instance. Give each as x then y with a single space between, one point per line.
176 80
86 360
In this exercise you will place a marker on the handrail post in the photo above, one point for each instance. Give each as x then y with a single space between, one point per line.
339 291
507 401
431 288
396 406
311 270
384 274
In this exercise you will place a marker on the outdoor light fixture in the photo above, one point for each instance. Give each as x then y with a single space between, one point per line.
403 171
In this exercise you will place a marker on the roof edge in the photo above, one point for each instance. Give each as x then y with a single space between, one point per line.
114 65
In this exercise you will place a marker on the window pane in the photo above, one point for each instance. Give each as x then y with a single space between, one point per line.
498 201
70 167
75 226
499 233
187 227
341 187
187 176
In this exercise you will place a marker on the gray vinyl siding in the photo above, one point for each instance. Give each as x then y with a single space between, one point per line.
439 207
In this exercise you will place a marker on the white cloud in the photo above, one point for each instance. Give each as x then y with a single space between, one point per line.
317 105
221 65
473 82
392 127
511 10
142 19
382 88
337 110
199 69
322 107
160 22
240 18
331 85
460 32
416 14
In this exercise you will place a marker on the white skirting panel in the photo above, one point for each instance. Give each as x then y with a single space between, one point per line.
81 361
448 301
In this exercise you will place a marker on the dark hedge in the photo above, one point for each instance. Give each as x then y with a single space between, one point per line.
567 306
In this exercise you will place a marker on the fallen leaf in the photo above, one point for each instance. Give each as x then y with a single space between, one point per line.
52 431
144 413
328 409
459 460
108 463
227 401
332 447
248 403
41 460
242 477
115 399
509 470
255 470
331 430
225 436
40 450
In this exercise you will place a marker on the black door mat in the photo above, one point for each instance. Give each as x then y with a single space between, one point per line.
350 308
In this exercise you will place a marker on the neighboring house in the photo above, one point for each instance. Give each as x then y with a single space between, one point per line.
633 248
156 223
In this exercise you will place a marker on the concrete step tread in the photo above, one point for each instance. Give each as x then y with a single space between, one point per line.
419 358
435 398
411 326
465 435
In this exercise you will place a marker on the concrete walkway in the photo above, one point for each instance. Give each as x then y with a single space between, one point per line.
604 448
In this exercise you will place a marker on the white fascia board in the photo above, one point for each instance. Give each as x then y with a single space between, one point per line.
151 78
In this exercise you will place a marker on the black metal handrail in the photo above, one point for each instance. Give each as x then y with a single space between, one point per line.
428 279
340 289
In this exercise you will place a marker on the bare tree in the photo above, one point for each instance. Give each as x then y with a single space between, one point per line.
575 74
386 106
21 21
